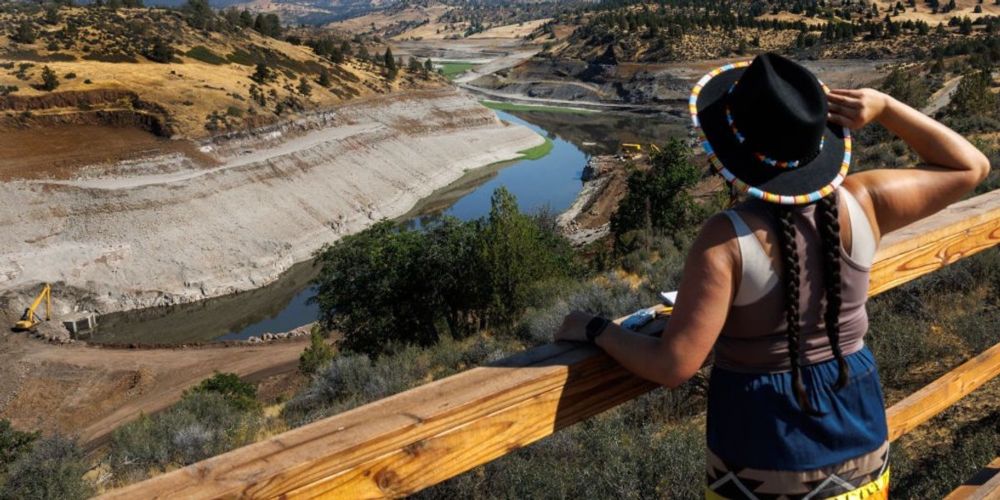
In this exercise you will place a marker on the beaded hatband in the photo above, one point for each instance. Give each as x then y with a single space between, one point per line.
741 186
761 157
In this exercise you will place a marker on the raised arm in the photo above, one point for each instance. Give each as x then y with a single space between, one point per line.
706 292
895 198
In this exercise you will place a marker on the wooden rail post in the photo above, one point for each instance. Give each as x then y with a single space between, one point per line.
404 443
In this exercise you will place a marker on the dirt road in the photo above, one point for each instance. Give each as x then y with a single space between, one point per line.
89 391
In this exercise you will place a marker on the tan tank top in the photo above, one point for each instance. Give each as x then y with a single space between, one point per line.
753 338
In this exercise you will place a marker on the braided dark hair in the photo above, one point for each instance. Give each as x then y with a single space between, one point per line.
828 222
790 265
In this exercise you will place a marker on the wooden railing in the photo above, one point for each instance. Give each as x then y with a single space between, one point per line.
407 442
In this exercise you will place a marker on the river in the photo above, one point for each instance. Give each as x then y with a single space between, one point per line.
551 182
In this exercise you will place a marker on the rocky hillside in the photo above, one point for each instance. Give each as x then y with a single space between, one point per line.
189 72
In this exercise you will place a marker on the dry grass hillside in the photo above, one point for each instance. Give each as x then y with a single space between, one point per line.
104 69
643 32
439 20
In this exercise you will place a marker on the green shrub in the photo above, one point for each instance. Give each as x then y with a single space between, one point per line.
52 469
205 55
659 199
203 424
351 380
317 354
450 279
13 444
241 395
610 297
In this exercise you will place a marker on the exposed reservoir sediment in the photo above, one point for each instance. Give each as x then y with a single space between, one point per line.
166 231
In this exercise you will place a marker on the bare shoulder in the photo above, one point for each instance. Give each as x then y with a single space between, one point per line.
717 240
856 186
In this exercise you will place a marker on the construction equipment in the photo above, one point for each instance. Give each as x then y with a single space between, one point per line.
635 155
30 320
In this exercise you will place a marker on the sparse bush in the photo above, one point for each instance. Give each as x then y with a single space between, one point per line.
206 422
53 469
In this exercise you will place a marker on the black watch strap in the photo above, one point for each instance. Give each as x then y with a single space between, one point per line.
595 327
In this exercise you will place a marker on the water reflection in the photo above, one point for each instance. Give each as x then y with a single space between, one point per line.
550 182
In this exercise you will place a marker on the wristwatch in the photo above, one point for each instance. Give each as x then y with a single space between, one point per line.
595 327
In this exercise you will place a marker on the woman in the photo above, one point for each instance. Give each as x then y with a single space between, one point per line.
778 285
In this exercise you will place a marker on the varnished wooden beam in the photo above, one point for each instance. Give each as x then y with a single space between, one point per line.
984 485
423 436
937 396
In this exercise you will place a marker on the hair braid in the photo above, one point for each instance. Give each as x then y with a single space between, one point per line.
790 261
828 221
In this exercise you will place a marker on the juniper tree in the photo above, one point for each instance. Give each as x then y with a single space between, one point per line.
49 79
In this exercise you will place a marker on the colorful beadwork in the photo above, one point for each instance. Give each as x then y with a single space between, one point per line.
742 186
761 157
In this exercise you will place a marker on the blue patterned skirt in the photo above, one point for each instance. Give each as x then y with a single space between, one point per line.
761 445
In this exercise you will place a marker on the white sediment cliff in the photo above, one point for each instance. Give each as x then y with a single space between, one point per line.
166 231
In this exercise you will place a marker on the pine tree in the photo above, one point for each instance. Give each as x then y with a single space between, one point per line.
390 64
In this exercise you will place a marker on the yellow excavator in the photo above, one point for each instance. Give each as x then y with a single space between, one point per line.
30 320
638 149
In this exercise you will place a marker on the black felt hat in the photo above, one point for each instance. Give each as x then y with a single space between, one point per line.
763 124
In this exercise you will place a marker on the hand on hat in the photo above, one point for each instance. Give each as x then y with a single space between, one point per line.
855 108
